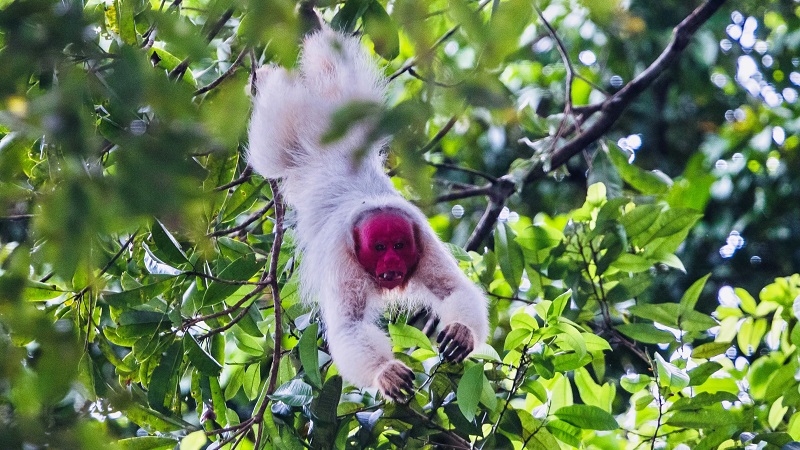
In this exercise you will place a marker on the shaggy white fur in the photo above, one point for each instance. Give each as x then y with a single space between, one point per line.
331 185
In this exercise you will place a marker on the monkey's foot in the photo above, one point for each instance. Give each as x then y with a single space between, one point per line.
396 381
455 342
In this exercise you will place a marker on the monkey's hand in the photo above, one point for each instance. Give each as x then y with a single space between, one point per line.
396 381
455 342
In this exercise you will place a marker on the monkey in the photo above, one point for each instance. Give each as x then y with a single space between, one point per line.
365 248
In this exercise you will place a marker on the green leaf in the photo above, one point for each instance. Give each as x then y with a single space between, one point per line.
689 299
646 333
164 379
137 296
324 407
194 441
199 358
564 432
701 373
469 391
458 253
382 30
710 417
648 183
168 245
294 393
485 352
587 417
628 262
516 337
713 439
710 349
596 194
640 219
747 302
147 443
37 292
509 255
406 336
670 375
309 354
663 313
702 400
674 221
241 269
252 381
558 305
345 20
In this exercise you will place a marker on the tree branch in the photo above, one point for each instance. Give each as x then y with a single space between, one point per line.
610 111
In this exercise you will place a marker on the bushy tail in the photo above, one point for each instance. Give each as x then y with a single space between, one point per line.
292 110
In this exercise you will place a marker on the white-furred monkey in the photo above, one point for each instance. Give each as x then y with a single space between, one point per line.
364 246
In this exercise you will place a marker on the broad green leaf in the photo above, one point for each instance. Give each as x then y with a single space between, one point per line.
509 255
705 418
701 373
634 382
557 308
37 292
407 336
147 443
747 302
458 252
702 400
199 358
521 319
646 333
345 20
516 337
629 262
592 393
241 269
596 195
648 183
689 299
710 349
640 219
469 391
382 30
294 393
194 441
309 354
564 432
485 352
587 417
670 375
164 379
716 437
168 245
252 381
324 407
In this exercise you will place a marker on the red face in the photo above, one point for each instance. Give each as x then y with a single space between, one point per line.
386 248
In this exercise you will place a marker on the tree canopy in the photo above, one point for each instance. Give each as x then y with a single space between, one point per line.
620 177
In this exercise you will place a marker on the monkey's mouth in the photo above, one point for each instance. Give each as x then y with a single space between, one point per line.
390 279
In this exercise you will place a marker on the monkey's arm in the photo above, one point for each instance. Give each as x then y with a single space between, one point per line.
361 351
458 302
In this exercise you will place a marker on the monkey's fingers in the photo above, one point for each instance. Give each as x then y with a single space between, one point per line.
397 382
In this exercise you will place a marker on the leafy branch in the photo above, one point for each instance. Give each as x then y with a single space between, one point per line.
609 111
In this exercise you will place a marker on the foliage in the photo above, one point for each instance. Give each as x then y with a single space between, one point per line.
147 288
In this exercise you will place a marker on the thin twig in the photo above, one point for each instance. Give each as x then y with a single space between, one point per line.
243 178
255 216
231 70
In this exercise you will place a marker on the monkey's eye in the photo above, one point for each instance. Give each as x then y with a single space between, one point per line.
398 246
380 247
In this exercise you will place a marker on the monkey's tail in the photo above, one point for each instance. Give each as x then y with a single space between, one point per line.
293 111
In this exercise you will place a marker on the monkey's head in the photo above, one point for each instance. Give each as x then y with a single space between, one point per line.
386 247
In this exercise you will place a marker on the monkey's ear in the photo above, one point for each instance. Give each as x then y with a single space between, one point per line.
418 238
356 240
